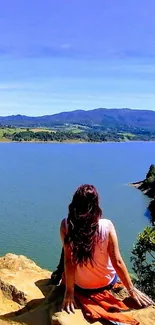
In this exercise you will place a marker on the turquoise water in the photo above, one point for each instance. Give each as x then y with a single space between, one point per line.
37 183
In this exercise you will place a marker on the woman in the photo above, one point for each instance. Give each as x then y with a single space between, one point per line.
92 258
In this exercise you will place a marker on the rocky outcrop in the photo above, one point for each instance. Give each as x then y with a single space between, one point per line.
18 282
27 298
147 186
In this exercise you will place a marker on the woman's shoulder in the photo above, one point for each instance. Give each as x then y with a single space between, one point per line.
105 222
105 226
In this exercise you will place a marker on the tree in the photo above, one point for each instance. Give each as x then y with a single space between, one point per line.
150 177
143 258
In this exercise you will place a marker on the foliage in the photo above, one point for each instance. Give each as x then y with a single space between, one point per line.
70 133
143 258
79 132
150 177
148 185
151 171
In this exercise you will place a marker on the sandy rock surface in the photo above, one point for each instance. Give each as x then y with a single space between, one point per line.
27 298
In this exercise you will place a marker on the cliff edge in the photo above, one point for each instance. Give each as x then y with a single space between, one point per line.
26 297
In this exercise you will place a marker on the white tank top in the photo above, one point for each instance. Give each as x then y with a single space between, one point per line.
102 272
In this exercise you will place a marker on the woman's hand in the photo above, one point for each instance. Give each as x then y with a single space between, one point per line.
141 299
68 302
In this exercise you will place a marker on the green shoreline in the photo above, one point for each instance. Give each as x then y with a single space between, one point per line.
71 135
77 142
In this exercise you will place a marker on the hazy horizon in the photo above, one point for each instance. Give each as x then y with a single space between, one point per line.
63 56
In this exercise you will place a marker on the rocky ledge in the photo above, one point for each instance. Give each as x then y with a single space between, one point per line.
27 298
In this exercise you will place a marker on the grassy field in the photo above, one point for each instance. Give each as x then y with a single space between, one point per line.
128 136
73 128
7 130
17 130
38 130
64 128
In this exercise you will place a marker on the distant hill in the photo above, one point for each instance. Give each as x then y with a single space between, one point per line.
105 118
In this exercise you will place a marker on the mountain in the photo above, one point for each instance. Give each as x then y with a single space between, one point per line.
107 118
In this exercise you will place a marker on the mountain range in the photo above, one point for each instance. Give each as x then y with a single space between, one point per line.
102 117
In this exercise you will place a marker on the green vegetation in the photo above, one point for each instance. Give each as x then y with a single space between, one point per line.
143 254
128 136
148 187
93 126
143 258
7 133
7 130
69 132
150 177
148 184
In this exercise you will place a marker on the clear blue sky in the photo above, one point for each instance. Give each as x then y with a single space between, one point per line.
60 55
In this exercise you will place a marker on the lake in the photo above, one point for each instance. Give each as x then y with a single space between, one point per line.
37 183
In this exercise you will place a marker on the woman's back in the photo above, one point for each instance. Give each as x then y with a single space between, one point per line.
88 262
101 273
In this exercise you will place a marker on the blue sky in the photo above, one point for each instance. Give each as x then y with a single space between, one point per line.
60 55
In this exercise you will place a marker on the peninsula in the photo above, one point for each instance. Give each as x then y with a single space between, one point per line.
147 186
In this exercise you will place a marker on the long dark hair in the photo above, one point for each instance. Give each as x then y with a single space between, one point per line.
83 216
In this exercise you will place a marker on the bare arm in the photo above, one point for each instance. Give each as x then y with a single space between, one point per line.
116 259
121 270
68 303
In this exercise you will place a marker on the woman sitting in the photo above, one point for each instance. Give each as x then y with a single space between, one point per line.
92 259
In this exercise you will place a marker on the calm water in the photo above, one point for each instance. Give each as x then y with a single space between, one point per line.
37 182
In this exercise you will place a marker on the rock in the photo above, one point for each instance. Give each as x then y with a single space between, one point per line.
27 299
18 282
